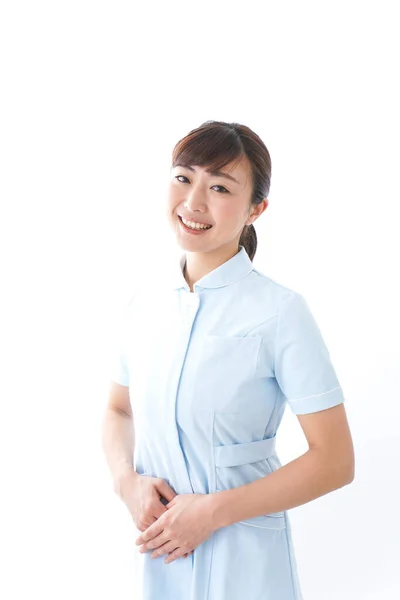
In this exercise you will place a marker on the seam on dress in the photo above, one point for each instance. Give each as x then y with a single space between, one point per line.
212 455
288 297
261 526
289 549
315 395
258 358
262 323
215 486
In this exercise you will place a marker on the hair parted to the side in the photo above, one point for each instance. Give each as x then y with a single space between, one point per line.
213 145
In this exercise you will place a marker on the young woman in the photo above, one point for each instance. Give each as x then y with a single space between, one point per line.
211 353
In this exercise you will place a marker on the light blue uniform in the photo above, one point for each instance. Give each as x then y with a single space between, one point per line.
209 375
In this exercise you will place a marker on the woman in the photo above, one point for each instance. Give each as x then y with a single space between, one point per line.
210 355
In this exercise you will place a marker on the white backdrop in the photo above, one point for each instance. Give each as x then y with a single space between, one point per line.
94 96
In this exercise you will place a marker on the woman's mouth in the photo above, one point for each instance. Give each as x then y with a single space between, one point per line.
196 230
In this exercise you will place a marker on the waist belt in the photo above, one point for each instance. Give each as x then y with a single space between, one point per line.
234 455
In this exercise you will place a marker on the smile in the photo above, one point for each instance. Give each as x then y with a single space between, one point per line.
191 227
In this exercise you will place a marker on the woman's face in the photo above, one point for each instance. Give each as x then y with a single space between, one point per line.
220 199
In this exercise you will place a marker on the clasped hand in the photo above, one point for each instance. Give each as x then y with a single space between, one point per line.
185 525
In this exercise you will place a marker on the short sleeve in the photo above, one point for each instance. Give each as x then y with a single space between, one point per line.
303 368
119 370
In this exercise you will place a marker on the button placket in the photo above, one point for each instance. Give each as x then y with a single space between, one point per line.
191 304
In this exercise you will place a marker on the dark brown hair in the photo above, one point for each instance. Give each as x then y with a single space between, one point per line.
215 144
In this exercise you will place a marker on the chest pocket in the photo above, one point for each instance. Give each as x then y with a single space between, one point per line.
225 374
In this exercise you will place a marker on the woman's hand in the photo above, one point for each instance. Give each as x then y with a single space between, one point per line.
186 523
141 494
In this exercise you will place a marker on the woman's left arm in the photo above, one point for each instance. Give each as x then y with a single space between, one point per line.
327 465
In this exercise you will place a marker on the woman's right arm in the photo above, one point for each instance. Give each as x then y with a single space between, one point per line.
118 444
118 438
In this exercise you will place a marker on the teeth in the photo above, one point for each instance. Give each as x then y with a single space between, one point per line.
193 225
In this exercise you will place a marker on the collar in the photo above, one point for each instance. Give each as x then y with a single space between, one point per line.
232 270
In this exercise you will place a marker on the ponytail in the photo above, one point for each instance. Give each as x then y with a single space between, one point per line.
248 239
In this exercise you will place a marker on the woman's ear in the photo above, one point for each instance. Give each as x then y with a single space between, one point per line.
256 211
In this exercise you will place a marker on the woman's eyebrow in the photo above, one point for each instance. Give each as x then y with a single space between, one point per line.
214 173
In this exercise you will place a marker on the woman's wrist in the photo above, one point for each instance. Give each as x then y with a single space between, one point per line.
126 475
218 508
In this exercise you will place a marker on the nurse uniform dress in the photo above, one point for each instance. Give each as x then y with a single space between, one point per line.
210 373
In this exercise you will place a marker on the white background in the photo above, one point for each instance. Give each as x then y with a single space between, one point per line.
94 95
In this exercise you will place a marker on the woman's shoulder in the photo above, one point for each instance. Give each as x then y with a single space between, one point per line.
269 290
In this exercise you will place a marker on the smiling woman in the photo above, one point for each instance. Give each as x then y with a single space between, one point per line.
212 358
220 176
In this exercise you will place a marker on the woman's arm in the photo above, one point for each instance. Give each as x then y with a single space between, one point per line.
327 465
118 436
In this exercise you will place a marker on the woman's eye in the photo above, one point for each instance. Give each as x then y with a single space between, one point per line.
225 190
216 186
